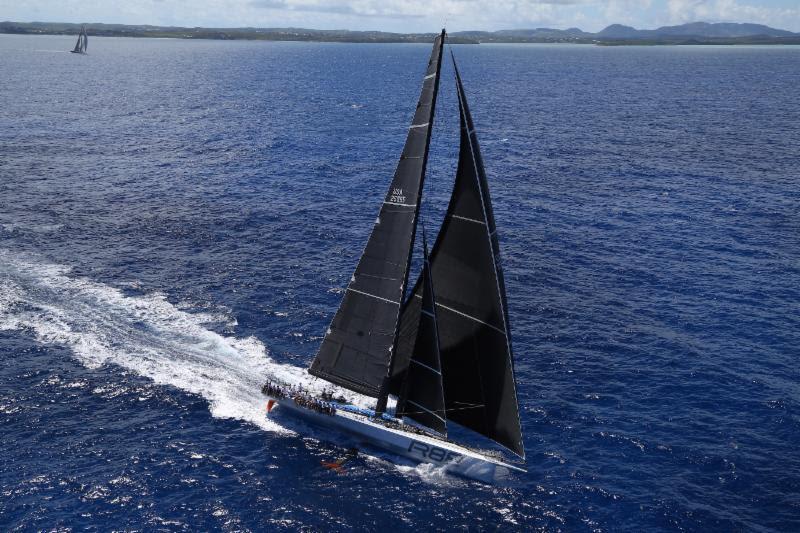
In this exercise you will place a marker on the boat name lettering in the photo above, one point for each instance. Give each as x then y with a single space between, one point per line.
434 453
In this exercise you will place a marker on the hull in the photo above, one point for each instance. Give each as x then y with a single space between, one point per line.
452 458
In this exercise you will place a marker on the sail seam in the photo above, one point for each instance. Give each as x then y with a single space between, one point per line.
373 296
468 219
418 125
373 276
401 205
426 366
456 311
426 410
471 318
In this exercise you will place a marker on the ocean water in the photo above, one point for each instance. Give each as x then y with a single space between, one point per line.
177 220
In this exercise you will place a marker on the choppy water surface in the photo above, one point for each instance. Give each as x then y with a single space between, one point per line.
177 218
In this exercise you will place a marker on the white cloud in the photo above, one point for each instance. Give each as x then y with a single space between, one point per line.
685 10
625 11
391 15
471 14
731 11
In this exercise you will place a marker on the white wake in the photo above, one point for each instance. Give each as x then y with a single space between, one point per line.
153 338
144 334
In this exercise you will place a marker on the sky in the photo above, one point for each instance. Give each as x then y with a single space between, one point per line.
407 15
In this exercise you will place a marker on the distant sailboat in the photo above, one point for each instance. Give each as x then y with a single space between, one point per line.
443 350
83 42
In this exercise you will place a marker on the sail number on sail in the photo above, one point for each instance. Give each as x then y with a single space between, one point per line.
397 197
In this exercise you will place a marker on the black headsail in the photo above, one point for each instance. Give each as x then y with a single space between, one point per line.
78 44
357 347
422 398
474 333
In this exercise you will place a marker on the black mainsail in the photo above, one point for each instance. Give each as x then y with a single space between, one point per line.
471 311
422 398
357 347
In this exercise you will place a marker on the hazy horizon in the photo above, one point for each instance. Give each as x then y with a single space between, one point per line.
412 16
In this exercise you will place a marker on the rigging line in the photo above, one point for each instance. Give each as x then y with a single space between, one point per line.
432 312
405 413
468 406
373 296
468 219
465 315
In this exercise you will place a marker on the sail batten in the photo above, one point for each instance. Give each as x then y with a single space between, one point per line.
357 350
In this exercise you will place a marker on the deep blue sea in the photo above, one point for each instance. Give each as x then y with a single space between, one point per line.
177 220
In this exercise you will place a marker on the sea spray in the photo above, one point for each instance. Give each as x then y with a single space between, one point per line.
145 334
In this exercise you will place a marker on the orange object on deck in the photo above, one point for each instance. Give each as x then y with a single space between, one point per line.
336 466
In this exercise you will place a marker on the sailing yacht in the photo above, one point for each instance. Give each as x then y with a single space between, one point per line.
83 42
444 349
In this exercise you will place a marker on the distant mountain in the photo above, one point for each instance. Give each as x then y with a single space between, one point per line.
721 32
616 34
694 29
618 31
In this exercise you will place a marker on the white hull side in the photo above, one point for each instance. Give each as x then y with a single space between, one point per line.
451 457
